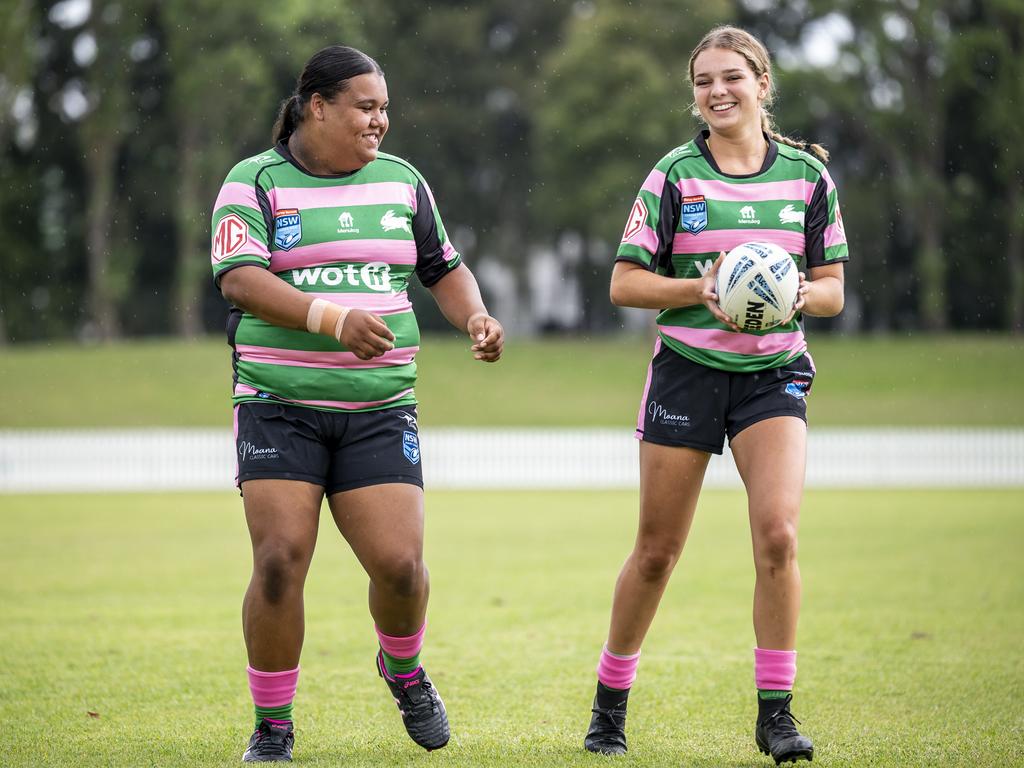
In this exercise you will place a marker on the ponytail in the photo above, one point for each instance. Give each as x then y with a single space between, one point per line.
288 117
768 126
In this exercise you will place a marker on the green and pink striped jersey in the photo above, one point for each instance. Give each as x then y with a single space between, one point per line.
355 239
688 210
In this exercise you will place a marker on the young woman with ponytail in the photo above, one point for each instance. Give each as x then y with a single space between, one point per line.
315 241
737 181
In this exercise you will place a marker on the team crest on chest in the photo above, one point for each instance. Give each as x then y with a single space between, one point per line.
694 214
287 228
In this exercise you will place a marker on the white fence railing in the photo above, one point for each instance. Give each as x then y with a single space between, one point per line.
203 459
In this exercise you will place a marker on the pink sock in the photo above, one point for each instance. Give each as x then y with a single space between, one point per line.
617 671
402 647
273 689
774 670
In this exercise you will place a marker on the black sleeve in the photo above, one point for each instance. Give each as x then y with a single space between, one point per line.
668 222
431 265
815 222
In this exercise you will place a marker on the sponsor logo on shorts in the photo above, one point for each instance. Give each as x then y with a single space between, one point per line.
249 452
798 388
661 416
411 447
410 420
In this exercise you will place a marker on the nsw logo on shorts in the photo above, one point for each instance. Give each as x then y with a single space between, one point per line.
411 447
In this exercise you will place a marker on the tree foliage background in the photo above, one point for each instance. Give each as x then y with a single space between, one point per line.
535 124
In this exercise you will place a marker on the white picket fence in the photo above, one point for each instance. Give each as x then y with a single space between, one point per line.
203 459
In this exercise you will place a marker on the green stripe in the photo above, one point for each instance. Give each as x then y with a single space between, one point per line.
259 333
299 383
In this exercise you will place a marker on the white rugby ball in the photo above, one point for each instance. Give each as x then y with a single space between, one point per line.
757 285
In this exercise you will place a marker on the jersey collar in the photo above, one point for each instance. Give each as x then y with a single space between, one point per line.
702 144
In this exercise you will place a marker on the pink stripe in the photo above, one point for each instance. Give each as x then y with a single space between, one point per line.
345 405
829 184
712 241
834 235
646 239
647 388
377 193
739 343
273 689
774 670
401 647
380 303
654 183
616 671
237 193
448 251
302 359
388 251
795 189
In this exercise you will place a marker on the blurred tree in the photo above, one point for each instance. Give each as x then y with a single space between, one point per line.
989 62
232 65
614 100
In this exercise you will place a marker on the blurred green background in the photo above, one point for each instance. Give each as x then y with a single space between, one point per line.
535 124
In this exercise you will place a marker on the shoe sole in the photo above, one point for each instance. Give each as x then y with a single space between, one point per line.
789 757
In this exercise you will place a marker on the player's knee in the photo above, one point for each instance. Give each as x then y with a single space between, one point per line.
279 569
403 577
776 544
654 563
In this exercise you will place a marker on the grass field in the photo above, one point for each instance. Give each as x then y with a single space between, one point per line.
127 607
924 380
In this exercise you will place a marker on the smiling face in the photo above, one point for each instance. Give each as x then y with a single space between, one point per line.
727 92
350 128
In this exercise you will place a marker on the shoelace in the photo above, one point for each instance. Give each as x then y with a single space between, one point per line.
272 744
617 717
426 701
783 722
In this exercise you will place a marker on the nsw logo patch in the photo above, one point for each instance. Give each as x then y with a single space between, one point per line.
411 447
287 228
798 388
694 214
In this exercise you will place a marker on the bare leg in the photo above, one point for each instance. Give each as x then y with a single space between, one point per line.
384 526
670 482
282 516
771 457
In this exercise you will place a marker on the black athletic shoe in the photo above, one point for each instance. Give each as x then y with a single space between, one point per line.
421 707
607 732
776 734
270 743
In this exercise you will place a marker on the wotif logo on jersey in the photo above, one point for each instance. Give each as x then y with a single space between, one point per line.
375 275
287 228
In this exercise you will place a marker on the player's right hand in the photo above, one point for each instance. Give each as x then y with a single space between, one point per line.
366 335
709 295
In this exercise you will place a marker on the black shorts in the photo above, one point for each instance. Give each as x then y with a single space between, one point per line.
689 404
338 451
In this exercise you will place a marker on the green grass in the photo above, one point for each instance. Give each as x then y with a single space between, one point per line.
944 381
127 606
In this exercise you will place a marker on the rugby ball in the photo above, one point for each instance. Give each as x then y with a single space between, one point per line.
757 285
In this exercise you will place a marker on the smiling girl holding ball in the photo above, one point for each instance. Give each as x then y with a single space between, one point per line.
737 181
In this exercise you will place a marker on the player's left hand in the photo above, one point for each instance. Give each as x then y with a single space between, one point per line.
801 296
488 337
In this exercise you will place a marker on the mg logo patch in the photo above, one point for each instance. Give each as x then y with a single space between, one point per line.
637 219
411 447
232 233
694 214
287 228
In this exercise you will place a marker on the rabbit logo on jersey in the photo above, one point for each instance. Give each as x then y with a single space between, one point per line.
695 214
287 228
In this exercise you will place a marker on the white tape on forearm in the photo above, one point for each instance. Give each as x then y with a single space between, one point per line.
315 315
